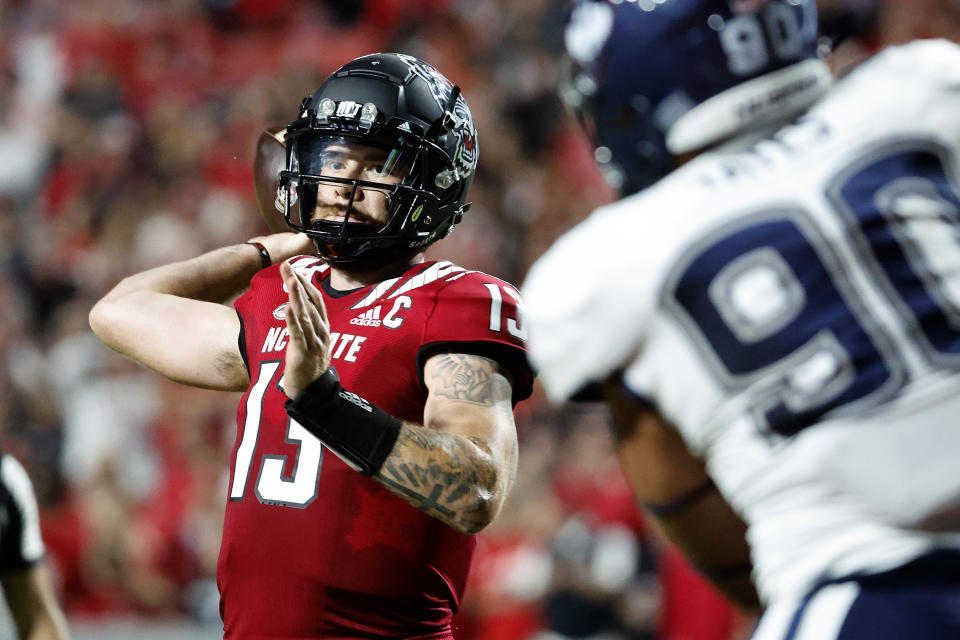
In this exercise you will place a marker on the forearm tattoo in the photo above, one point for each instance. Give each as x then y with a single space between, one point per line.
439 474
452 477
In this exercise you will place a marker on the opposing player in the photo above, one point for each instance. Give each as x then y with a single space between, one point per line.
26 580
405 371
783 292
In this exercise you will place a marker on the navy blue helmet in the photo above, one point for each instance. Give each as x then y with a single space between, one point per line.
379 161
652 79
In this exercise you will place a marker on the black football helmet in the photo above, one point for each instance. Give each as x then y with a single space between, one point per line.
413 137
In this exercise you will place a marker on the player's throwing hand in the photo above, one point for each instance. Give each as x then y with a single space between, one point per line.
308 349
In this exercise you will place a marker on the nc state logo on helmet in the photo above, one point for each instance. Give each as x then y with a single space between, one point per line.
379 162
651 79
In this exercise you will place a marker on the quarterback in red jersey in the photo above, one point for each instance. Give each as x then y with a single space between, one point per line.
376 432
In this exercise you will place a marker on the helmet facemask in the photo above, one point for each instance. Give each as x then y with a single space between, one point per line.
356 198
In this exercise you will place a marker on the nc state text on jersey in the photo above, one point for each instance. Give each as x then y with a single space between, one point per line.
342 346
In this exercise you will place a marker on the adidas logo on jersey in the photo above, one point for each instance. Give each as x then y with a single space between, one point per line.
369 318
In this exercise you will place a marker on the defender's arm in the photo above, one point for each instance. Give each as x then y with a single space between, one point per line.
677 491
171 319
32 604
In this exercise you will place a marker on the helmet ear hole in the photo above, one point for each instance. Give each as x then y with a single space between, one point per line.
445 179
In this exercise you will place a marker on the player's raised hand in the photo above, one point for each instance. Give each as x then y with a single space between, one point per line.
308 348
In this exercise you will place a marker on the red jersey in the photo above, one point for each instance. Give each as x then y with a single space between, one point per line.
312 549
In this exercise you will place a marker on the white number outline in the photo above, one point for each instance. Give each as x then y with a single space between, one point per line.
748 51
271 487
514 327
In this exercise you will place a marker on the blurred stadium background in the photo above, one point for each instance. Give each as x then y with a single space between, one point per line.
127 131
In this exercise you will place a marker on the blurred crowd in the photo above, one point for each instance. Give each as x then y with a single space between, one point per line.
127 131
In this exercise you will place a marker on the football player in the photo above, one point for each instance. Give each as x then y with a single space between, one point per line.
776 295
25 578
375 432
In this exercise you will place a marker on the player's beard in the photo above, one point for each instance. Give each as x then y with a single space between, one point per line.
369 206
337 214
367 217
382 259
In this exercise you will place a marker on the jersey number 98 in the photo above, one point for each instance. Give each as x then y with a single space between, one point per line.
780 316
